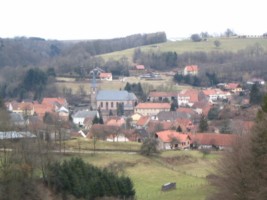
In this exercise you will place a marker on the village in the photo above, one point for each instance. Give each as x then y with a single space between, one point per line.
193 118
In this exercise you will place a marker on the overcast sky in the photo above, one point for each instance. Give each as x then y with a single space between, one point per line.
101 19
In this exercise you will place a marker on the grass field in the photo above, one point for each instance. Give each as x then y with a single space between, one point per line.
233 44
187 168
165 84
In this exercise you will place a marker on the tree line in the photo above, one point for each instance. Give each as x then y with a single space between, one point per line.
22 51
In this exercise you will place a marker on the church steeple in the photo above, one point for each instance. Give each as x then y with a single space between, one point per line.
93 89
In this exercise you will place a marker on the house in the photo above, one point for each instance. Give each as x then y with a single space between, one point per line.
188 97
233 87
152 108
191 70
170 139
155 126
135 117
212 140
170 116
142 122
57 102
25 108
162 96
185 124
109 100
80 116
59 105
202 107
215 94
105 76
41 109
116 121
189 112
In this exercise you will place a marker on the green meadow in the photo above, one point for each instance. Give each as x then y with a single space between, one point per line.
227 44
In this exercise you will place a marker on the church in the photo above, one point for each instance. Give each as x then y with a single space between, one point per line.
108 101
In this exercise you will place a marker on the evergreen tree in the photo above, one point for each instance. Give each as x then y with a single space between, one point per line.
95 120
128 87
83 180
203 124
255 94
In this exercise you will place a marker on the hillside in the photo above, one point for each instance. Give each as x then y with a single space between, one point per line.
227 44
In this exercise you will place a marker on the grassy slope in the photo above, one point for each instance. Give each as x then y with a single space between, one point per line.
189 46
148 174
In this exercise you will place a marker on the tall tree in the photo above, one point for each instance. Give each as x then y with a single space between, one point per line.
203 124
241 173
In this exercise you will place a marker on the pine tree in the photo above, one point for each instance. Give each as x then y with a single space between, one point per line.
179 129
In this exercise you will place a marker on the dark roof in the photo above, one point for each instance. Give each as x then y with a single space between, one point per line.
172 115
115 95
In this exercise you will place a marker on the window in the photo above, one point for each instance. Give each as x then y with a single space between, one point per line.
106 105
111 104
101 104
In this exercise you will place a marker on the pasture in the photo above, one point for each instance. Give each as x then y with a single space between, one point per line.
78 87
227 44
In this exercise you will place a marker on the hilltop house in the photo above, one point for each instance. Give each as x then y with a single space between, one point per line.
233 87
109 100
171 139
191 70
105 76
152 108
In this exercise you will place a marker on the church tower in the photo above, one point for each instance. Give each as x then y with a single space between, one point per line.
94 91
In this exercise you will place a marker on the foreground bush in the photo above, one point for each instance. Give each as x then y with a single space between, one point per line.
86 181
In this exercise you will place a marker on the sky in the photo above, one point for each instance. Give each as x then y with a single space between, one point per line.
105 19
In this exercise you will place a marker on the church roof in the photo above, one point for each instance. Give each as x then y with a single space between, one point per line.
115 95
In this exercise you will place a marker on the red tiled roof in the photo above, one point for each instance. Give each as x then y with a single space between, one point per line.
209 92
186 110
166 136
191 68
21 106
231 86
184 124
143 121
105 75
41 109
61 101
153 106
162 94
214 139
191 93
115 122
